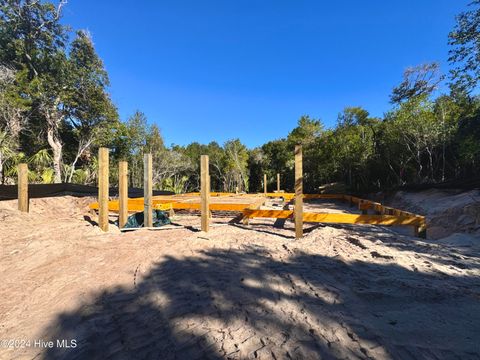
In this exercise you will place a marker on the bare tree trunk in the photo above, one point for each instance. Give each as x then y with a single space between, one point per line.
56 146
420 166
1 168
430 162
54 119
82 146
443 142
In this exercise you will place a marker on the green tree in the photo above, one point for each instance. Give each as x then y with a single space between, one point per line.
464 40
32 42
236 162
306 131
90 111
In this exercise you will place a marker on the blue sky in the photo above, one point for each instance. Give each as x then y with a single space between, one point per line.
222 69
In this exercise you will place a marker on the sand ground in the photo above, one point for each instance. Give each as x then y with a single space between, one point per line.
237 292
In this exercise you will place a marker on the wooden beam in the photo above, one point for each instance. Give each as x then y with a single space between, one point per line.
289 196
387 220
147 190
122 193
256 205
298 192
278 182
134 206
22 185
204 192
265 184
322 196
189 201
103 173
286 196
274 214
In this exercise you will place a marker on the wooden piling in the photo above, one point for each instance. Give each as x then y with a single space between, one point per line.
122 193
278 182
22 185
204 192
147 190
298 192
103 185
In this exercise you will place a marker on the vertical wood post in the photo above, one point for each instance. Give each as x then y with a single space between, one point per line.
298 192
122 193
103 172
204 192
147 190
265 184
278 182
22 185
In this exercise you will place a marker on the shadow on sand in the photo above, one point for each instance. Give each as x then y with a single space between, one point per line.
241 304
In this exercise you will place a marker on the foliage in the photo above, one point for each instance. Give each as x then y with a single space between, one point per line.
465 50
417 81
56 111
60 84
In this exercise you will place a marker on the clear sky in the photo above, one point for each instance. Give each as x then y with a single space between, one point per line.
222 69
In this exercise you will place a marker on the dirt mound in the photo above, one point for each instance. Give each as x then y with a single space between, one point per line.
447 211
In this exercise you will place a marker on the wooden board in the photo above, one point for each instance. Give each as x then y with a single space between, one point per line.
103 173
274 214
147 188
204 192
122 193
387 220
298 192
134 206
23 187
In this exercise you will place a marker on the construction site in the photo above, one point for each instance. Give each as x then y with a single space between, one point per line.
272 275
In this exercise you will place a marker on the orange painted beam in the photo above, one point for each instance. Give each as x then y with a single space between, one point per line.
387 220
276 214
135 205
114 206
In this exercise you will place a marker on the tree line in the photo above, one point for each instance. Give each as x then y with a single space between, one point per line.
56 111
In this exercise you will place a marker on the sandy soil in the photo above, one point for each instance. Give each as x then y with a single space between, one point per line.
448 211
238 292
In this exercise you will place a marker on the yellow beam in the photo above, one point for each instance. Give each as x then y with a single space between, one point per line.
388 220
289 196
390 216
163 205
275 214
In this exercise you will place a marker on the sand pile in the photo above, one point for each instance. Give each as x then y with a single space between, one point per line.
447 211
238 292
